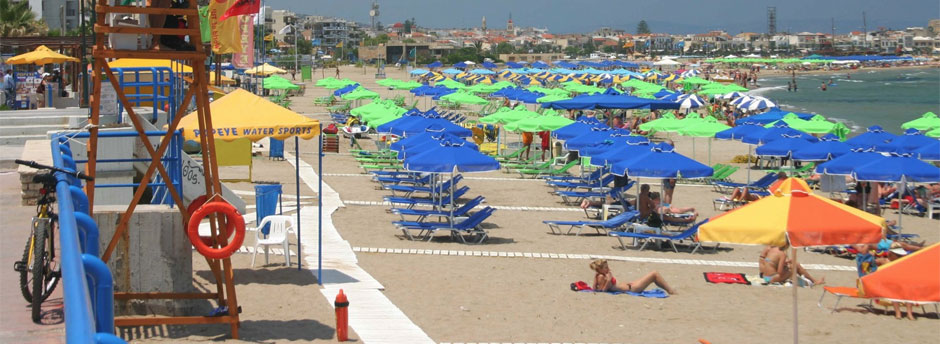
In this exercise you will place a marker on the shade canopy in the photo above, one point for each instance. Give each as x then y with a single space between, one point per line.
872 137
821 151
707 127
42 55
539 123
265 70
783 147
236 116
661 162
450 157
275 82
796 215
894 168
464 98
926 121
912 278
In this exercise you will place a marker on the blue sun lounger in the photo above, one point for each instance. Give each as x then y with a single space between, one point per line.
592 176
425 213
577 196
408 190
761 184
646 238
436 201
416 180
468 228
610 224
570 185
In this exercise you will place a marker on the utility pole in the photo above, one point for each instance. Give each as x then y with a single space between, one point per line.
865 31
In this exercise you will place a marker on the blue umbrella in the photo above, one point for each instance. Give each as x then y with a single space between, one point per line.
460 65
539 64
661 162
595 135
489 65
433 124
776 133
423 138
449 157
874 136
482 71
580 127
910 141
773 115
619 152
346 89
418 71
783 147
897 168
740 131
451 71
513 65
435 64
822 151
663 93
845 164
929 152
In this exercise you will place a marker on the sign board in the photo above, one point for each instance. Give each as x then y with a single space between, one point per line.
305 73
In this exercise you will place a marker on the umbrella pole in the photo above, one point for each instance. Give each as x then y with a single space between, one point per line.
297 191
709 151
452 196
748 163
796 285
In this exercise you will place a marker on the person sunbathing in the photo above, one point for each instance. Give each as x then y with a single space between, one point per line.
604 280
744 194
775 267
669 214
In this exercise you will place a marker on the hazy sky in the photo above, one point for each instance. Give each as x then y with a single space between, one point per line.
671 16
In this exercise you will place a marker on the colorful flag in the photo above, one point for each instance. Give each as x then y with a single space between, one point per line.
226 38
242 7
205 29
245 59
269 38
339 45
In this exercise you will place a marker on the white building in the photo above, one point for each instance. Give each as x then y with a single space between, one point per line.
62 15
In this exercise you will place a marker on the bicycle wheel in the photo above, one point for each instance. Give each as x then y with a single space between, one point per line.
26 271
39 271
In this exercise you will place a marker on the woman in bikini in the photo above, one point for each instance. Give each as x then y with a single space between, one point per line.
605 281
775 266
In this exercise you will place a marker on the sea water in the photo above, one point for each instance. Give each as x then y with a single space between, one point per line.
860 98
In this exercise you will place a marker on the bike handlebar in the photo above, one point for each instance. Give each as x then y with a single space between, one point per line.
39 166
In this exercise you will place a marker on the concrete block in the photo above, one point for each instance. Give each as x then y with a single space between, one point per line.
154 256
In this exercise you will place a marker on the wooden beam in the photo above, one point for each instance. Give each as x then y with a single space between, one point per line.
145 30
149 54
146 10
191 320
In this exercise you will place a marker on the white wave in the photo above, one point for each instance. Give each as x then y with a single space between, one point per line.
762 90
849 80
855 127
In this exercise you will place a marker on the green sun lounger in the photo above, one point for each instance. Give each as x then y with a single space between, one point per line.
547 171
530 164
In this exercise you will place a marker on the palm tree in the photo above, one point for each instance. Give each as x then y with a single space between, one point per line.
17 19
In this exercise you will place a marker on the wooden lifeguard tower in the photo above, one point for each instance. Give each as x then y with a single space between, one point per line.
198 91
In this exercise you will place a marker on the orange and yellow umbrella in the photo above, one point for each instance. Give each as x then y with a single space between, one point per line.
913 278
793 212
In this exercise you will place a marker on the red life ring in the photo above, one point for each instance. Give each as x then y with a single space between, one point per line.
193 206
234 223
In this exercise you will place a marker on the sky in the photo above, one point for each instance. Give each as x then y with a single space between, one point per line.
671 16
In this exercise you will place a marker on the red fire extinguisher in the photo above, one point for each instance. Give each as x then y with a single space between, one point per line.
342 316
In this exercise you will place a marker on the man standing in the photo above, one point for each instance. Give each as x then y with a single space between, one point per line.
8 90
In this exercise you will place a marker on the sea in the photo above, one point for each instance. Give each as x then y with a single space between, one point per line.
860 98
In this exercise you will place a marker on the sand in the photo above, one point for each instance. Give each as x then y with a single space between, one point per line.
474 299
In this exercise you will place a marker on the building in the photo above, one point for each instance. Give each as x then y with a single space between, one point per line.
329 32
279 20
395 51
62 15
531 57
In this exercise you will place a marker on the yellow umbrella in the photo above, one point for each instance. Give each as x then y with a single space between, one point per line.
235 116
265 70
40 56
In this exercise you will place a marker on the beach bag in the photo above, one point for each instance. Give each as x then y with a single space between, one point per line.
330 129
580 285
654 220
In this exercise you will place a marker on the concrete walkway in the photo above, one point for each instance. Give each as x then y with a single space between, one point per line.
373 316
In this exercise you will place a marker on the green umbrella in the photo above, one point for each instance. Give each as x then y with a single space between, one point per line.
380 107
337 84
451 83
694 80
360 93
707 126
389 82
674 126
926 121
655 125
326 81
933 133
377 121
410 85
816 125
507 115
539 123
275 82
382 113
464 98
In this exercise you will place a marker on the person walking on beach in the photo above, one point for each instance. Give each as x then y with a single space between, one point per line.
789 86
337 71
8 90
604 280
526 144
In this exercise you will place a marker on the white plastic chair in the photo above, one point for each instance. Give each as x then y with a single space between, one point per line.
277 235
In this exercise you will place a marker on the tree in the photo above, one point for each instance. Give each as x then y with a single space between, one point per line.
407 26
408 41
504 48
17 20
572 51
380 39
642 28
478 45
304 46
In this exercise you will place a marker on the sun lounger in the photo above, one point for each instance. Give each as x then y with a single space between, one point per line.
595 175
761 184
586 184
425 213
573 197
467 228
414 180
410 189
411 202
646 238
608 225
546 171
526 164
841 292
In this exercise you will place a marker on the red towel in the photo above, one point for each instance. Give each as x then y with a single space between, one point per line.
726 277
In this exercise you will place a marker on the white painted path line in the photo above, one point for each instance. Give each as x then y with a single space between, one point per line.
584 256
372 315
467 178
501 207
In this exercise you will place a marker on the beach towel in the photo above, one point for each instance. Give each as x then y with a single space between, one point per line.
581 286
725 278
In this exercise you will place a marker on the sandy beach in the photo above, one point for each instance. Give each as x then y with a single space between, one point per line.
456 297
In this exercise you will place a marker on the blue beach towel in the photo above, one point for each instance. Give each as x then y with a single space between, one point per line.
581 286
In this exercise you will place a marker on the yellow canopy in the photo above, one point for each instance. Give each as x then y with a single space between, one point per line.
265 70
175 66
241 114
40 56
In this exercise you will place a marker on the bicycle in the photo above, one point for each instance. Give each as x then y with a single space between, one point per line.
39 271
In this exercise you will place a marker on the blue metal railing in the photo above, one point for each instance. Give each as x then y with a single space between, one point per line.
162 81
88 289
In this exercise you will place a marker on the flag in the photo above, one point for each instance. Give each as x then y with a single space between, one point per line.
205 29
413 52
226 37
315 42
241 7
339 45
285 30
245 59
269 38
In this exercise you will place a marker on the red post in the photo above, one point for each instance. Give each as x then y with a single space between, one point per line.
342 316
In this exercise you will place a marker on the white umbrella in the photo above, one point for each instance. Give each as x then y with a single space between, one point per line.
741 100
760 104
733 95
690 101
